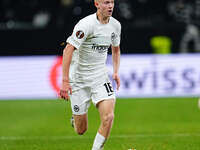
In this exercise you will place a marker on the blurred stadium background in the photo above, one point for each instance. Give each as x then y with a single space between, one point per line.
160 74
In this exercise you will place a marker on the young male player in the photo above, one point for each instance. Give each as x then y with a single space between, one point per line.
84 71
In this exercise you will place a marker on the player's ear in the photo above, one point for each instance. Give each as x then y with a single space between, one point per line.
96 4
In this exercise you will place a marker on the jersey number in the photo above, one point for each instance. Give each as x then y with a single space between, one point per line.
109 88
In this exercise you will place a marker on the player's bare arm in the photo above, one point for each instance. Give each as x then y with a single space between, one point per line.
67 57
116 63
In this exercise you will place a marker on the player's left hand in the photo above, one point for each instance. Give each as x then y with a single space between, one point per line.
117 80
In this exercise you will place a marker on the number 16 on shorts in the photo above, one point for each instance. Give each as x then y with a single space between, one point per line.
109 88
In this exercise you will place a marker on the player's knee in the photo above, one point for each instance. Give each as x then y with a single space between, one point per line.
81 131
108 119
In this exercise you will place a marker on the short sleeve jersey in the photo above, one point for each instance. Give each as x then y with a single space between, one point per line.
92 41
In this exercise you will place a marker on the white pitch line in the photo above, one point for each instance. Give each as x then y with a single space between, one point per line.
85 137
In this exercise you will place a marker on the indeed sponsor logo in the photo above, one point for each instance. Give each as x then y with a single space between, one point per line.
100 48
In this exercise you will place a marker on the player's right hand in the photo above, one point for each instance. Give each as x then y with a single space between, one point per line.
65 90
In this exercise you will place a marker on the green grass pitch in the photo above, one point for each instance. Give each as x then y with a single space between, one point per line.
143 124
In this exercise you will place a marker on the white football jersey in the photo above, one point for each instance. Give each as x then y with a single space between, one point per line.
92 41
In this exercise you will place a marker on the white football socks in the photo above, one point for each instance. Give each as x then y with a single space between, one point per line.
98 142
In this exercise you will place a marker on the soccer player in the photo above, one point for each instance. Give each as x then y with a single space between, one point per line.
85 77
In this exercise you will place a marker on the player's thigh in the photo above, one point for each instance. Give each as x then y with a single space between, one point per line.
106 107
80 101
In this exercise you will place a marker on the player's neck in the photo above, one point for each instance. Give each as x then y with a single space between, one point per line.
102 19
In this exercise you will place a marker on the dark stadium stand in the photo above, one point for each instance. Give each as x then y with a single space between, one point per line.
33 27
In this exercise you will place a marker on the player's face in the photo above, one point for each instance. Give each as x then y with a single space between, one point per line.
105 7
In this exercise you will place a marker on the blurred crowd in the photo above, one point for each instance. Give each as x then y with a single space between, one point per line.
58 13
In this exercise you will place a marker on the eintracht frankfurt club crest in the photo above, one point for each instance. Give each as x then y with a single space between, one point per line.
112 36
